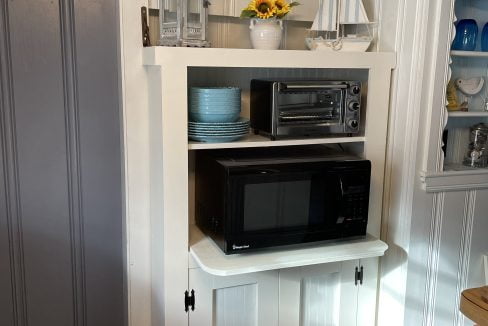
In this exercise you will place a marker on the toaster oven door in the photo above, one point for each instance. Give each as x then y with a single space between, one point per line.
316 108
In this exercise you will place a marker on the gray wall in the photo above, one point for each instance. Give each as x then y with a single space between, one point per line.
61 217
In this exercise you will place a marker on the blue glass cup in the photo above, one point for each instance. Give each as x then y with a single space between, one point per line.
466 35
484 38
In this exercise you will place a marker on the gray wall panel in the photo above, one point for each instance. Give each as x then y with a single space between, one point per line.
100 158
41 149
6 298
60 164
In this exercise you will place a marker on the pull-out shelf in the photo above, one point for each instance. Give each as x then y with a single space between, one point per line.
211 259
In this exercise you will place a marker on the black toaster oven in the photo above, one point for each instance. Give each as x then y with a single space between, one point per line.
314 108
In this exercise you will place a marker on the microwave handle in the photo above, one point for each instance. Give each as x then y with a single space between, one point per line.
257 171
341 185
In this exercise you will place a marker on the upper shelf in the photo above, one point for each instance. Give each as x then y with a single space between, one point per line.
471 54
462 114
260 141
217 57
211 259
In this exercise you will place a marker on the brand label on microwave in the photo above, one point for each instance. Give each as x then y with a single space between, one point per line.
234 247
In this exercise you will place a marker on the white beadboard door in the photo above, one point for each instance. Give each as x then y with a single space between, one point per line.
242 300
324 295
367 292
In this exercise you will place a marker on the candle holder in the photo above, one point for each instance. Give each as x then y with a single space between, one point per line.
183 23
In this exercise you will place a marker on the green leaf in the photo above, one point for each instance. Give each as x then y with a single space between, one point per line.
294 4
248 14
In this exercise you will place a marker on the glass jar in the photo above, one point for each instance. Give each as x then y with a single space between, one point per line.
476 156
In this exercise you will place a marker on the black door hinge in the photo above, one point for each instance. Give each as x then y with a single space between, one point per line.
190 300
358 277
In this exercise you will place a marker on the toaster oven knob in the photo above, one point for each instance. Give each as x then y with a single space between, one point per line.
355 90
354 124
354 106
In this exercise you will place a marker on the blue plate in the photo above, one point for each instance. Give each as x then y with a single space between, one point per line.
191 130
215 139
240 122
218 133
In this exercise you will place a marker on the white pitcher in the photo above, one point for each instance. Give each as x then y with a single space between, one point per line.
266 34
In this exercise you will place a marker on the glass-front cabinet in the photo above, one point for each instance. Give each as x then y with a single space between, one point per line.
466 132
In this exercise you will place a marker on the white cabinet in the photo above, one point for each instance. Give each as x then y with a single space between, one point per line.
334 294
251 289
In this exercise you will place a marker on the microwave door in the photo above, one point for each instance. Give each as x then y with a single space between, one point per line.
283 202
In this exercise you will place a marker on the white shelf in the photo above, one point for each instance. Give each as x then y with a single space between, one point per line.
462 114
216 57
455 177
475 54
211 259
261 141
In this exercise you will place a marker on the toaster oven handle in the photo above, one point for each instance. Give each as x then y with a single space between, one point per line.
286 86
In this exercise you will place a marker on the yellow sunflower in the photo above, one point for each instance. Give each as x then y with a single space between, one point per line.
282 8
264 8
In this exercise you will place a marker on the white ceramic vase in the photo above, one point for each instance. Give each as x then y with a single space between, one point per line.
266 34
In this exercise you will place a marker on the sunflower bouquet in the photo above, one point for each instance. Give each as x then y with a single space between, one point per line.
265 9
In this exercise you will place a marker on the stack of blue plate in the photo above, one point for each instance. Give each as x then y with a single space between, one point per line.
214 115
218 104
218 132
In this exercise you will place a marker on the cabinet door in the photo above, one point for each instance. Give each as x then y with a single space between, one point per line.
367 292
243 300
324 295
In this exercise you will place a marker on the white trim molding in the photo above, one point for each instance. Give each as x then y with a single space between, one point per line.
454 180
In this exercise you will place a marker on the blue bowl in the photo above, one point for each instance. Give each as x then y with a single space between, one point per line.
218 117
210 110
213 101
466 35
215 90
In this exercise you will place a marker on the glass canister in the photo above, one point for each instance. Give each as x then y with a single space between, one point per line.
183 22
466 35
476 156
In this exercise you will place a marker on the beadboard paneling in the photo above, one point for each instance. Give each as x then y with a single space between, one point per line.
236 306
320 300
458 244
60 185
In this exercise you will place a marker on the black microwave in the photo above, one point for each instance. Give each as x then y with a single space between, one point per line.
258 199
